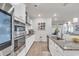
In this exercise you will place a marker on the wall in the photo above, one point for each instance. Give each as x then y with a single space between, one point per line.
42 33
49 26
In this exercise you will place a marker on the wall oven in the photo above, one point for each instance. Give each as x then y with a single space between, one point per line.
19 36
19 28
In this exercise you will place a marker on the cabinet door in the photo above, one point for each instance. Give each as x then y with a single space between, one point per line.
29 42
51 47
20 12
58 50
55 50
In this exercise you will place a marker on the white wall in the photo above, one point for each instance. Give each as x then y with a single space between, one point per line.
49 26
42 33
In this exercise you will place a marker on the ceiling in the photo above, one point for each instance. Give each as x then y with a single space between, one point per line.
64 11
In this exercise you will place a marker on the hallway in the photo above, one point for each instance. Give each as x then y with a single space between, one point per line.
39 49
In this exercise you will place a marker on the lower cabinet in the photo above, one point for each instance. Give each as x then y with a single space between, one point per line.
55 50
51 47
29 42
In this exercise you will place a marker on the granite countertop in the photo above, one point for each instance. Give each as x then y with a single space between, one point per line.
64 44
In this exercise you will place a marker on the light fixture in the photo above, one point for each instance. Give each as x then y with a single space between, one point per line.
39 15
69 22
54 15
75 20
36 5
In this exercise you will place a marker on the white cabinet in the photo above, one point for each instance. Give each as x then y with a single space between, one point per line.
55 50
29 42
19 12
23 52
51 47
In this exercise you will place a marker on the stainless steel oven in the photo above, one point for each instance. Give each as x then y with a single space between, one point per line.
19 28
19 36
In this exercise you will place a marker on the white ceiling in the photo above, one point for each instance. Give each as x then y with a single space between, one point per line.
64 11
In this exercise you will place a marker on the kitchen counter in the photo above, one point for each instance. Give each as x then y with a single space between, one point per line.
64 44
29 35
62 47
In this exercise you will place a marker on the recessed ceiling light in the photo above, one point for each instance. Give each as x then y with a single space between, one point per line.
35 5
54 15
69 22
39 15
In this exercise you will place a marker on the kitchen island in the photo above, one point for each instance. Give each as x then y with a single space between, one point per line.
62 47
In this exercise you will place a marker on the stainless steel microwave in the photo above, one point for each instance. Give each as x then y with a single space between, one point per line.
19 28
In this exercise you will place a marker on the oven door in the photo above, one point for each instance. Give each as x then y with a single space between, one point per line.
19 31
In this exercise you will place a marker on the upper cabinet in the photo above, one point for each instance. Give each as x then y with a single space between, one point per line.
19 12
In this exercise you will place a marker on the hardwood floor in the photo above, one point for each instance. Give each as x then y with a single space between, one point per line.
39 49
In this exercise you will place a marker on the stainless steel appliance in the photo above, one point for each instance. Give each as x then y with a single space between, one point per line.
19 28
19 36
